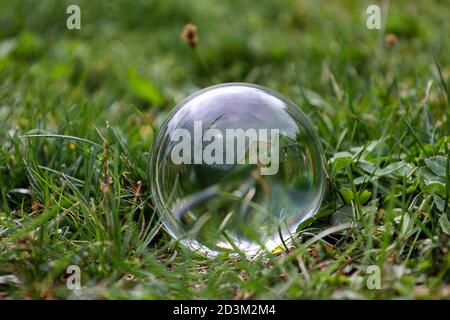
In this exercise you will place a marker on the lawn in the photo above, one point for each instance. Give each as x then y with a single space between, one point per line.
79 110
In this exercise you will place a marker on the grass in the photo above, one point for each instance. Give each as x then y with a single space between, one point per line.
79 110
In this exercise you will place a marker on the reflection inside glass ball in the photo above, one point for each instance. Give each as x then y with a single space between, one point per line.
236 167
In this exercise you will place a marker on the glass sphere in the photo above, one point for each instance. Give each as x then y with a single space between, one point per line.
236 167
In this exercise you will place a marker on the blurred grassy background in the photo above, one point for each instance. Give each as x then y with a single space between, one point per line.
130 55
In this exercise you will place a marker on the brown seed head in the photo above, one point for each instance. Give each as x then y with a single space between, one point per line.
190 35
390 39
36 206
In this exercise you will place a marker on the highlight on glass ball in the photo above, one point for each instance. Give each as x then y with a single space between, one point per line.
236 168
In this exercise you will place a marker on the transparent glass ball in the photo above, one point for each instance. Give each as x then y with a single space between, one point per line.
236 167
